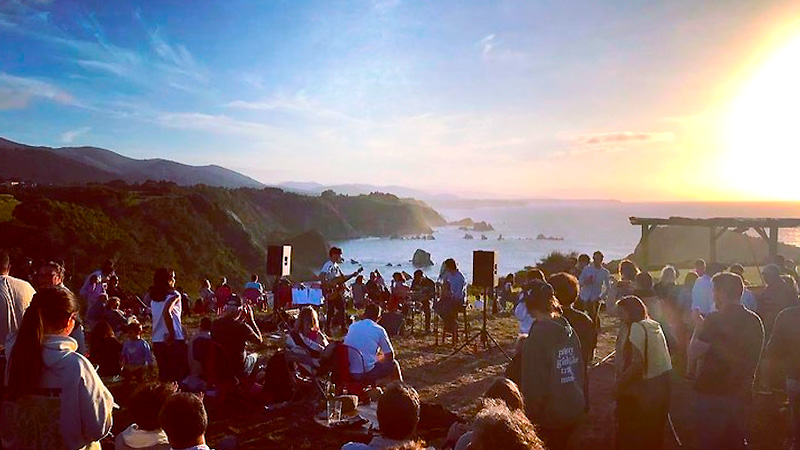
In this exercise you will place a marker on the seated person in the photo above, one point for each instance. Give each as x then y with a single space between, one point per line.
233 331
372 341
503 390
96 312
144 406
498 427
183 418
306 343
400 292
136 353
423 289
105 350
114 316
398 416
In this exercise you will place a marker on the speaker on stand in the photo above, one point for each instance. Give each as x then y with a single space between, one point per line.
484 277
279 265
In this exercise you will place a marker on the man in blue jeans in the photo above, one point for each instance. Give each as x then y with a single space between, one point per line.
728 347
783 349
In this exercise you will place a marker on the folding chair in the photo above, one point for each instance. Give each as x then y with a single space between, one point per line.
342 376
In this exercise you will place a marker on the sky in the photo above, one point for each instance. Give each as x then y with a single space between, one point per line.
631 100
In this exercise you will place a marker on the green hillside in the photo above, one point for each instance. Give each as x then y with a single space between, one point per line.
201 231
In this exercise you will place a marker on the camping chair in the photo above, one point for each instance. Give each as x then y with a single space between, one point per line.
303 376
341 374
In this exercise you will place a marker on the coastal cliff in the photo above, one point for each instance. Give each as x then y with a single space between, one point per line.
201 231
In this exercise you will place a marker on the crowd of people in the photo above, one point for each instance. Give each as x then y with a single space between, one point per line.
714 329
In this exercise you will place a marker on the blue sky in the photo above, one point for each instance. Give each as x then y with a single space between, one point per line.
486 98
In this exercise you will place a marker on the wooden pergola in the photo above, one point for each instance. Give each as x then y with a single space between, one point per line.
767 228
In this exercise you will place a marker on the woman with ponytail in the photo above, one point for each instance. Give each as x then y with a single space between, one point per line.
169 339
552 368
54 398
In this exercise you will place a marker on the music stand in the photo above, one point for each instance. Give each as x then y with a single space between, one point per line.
488 294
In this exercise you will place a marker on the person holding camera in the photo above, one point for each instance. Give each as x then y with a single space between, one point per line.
233 331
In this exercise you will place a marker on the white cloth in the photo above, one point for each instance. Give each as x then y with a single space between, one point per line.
78 398
703 296
15 296
594 283
329 271
524 317
159 325
367 337
133 437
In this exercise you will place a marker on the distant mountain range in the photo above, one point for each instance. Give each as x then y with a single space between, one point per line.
80 165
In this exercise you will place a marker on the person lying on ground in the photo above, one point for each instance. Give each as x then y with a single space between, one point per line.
183 418
398 416
145 433
372 341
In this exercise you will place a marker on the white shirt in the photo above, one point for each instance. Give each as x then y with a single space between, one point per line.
159 326
703 296
594 283
15 296
367 337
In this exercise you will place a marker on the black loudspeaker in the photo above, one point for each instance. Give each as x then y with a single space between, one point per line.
279 260
484 268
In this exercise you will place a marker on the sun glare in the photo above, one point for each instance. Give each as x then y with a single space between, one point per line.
762 129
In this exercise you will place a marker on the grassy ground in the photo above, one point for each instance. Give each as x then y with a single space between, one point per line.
457 383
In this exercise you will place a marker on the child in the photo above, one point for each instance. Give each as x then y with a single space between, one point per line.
136 354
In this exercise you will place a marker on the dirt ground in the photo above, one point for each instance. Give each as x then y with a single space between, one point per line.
457 383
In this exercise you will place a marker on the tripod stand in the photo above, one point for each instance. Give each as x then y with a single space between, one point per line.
488 294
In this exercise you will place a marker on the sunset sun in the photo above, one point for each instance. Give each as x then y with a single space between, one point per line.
762 129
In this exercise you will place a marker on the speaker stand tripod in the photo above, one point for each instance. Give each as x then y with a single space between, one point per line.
483 333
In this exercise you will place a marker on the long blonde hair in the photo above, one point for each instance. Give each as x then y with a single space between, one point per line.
307 320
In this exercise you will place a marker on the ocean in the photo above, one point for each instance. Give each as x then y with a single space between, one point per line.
584 226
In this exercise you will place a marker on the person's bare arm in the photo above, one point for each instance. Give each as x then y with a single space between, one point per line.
168 317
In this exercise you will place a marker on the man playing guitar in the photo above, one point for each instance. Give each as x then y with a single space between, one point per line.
333 287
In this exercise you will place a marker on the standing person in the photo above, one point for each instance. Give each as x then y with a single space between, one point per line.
49 380
333 285
594 283
783 350
15 296
567 289
423 289
453 299
702 291
728 346
102 274
748 297
372 341
208 297
506 287
552 372
685 296
169 340
776 296
643 383
51 274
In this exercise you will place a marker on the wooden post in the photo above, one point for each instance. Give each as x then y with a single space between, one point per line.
645 246
712 249
773 242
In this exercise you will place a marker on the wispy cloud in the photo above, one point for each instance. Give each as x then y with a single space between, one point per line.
176 58
17 92
487 44
69 136
212 123
298 103
623 137
614 141
383 6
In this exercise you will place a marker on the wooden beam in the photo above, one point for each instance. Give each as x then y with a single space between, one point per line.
773 242
763 233
712 250
646 230
720 233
